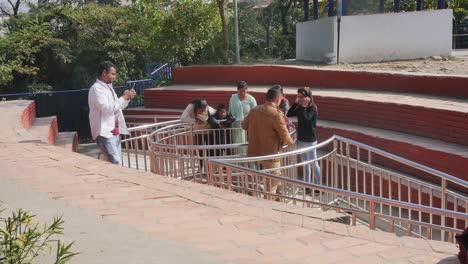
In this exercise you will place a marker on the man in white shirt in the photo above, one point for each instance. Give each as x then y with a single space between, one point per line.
105 112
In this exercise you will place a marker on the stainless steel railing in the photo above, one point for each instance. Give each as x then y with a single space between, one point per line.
386 191
355 178
182 151
135 151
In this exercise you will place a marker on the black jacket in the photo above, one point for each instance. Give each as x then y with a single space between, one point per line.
306 122
229 119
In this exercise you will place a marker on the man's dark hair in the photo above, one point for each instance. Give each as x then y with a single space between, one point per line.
273 93
105 65
241 85
221 107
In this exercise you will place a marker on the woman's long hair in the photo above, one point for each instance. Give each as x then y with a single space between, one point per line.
307 92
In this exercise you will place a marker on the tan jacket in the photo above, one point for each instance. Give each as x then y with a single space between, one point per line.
266 130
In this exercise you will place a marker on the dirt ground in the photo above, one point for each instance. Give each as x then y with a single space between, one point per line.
453 65
435 65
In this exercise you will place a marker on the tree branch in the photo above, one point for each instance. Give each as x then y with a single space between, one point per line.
4 11
12 5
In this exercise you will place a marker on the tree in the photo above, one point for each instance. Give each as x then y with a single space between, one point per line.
104 32
222 12
188 27
460 10
306 9
251 33
265 19
12 7
284 6
22 47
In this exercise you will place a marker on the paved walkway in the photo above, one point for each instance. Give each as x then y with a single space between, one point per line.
119 215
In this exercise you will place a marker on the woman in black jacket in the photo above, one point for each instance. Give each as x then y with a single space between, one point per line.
306 111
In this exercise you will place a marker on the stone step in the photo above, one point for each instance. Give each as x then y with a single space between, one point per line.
436 117
67 140
45 129
443 156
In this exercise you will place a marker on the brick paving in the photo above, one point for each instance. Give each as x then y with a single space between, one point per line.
223 226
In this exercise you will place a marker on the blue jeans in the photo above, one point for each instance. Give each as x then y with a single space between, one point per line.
110 148
311 155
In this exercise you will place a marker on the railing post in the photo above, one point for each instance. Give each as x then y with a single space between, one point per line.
229 178
372 215
443 200
335 165
209 172
152 156
348 166
334 182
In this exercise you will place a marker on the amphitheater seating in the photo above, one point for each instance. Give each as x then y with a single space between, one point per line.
428 125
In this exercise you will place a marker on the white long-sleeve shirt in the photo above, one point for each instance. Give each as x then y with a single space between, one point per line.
104 109
189 116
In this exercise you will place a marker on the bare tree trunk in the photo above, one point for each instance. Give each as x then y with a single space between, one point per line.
306 10
221 7
284 6
265 21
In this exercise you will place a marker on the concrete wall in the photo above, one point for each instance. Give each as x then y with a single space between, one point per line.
381 37
316 40
398 36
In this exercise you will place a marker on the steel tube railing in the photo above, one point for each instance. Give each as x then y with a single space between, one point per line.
354 179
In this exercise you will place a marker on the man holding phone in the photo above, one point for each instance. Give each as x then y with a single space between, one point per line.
105 112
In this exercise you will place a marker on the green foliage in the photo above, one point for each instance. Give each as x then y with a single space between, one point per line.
110 33
188 27
39 87
22 239
22 47
60 44
460 10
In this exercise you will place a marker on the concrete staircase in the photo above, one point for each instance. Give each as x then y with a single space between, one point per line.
45 129
423 118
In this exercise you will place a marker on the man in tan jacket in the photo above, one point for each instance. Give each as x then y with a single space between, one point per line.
267 133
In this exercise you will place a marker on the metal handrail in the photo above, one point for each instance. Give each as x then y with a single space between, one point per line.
173 152
152 125
158 69
327 189
282 155
413 164
154 142
358 196
346 174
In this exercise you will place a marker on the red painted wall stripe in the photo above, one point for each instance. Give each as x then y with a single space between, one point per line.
454 86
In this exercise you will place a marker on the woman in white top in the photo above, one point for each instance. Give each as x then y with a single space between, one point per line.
241 102
240 105
198 111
